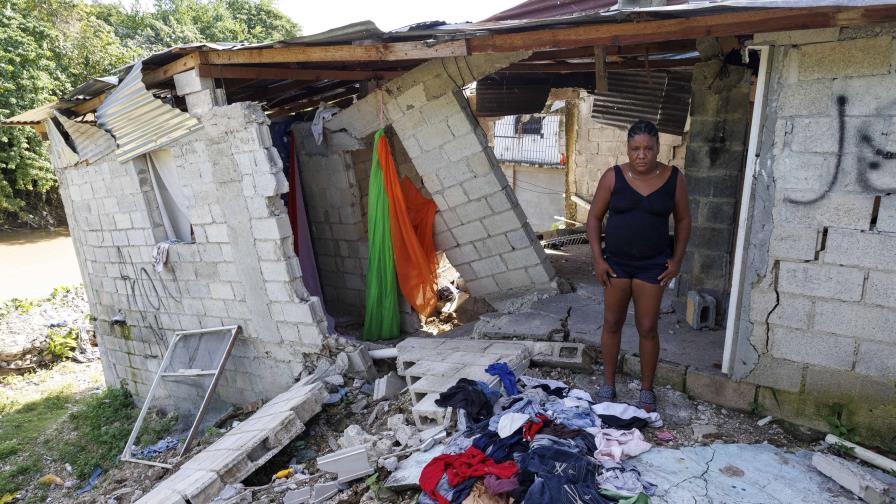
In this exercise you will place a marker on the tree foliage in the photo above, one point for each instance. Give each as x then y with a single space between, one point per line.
48 47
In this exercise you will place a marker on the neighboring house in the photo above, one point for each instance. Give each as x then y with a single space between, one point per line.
789 163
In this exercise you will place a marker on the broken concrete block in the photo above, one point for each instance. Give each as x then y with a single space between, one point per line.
299 496
407 475
428 415
354 435
323 491
388 387
348 464
360 364
575 356
852 477
528 325
700 311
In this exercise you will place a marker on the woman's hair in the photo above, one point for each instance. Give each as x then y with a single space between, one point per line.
642 127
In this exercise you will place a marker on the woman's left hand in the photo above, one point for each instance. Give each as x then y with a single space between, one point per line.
673 267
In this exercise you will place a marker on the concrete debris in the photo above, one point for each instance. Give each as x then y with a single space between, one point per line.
335 380
323 491
360 364
428 415
353 436
574 356
852 477
765 420
348 464
299 496
390 464
523 325
388 387
701 431
243 449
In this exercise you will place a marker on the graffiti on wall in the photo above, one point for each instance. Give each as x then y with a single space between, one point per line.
870 159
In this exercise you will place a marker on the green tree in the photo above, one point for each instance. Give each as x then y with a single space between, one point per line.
29 77
48 47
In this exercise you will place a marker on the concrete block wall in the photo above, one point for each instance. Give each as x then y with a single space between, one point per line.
480 225
599 147
821 266
241 270
338 218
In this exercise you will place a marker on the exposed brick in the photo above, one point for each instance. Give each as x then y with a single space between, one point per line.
513 279
488 266
793 242
861 248
473 211
881 289
845 58
877 359
835 210
469 232
501 223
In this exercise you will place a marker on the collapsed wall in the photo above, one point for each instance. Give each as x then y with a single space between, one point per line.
240 270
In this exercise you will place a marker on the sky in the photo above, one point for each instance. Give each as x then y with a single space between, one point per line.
318 16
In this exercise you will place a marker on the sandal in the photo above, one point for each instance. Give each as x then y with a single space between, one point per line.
606 393
647 401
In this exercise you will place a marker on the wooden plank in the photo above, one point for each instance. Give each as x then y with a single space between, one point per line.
161 74
376 52
301 74
600 69
671 46
713 25
590 67
91 104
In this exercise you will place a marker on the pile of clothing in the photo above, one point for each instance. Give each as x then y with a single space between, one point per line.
538 442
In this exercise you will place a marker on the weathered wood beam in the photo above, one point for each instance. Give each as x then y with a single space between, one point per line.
671 46
376 52
301 74
712 25
600 69
90 105
163 73
590 67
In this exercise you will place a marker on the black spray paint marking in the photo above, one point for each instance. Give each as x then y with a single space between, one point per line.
841 135
872 165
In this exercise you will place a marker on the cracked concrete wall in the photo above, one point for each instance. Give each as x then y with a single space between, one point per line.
480 225
817 323
240 270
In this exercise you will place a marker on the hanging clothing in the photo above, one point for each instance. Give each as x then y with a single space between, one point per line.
411 217
468 396
616 445
301 230
323 113
625 416
381 315
460 468
508 378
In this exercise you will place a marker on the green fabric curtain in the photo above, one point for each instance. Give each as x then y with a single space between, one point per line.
381 316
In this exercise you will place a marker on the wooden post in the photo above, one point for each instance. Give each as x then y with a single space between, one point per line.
600 69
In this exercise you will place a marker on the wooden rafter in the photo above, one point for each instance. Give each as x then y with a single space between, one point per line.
590 67
376 52
671 46
714 25
273 73
161 74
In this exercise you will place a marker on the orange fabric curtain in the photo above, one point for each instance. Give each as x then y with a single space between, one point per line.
411 217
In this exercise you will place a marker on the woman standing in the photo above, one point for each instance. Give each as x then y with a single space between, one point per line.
638 260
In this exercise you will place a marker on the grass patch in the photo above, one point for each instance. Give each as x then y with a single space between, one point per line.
86 432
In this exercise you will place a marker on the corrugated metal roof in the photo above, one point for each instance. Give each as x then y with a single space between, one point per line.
61 155
663 98
139 121
91 143
92 88
33 116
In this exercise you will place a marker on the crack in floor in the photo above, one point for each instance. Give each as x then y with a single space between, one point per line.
702 477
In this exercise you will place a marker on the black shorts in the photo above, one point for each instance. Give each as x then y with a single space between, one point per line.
646 270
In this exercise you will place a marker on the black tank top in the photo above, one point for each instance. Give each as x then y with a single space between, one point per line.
638 226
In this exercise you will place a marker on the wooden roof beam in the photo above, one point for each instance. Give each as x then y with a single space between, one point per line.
671 46
590 67
713 25
300 74
375 52
163 73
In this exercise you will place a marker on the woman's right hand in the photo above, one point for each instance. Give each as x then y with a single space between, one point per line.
603 272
